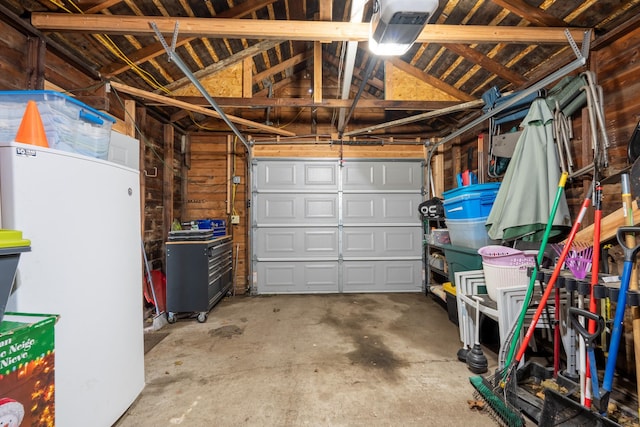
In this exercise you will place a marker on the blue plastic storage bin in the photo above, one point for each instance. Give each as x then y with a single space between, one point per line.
204 224
69 124
472 201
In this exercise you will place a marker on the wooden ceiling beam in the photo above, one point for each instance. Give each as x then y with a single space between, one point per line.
429 79
290 30
487 63
156 49
533 14
265 102
431 114
196 109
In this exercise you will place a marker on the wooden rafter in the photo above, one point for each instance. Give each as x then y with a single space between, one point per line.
532 14
326 10
377 83
487 63
290 30
278 68
196 109
431 114
264 102
220 65
102 6
156 49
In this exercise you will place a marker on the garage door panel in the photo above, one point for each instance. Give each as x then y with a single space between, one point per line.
296 175
297 277
296 209
385 208
296 243
382 276
382 176
325 226
381 242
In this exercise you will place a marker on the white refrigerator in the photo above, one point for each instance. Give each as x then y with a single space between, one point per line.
82 216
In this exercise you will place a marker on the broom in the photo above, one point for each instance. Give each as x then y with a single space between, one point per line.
487 390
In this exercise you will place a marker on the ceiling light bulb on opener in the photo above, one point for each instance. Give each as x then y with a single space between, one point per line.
396 24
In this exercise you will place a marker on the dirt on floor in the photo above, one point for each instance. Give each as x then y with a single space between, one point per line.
295 360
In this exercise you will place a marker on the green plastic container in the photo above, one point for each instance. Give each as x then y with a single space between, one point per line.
11 246
461 259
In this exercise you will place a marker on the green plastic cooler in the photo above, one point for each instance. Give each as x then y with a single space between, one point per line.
11 246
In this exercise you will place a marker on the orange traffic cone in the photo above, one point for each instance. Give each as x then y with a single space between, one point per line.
31 130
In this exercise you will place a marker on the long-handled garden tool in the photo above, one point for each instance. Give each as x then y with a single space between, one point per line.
489 390
550 286
508 379
630 252
585 378
578 261
627 200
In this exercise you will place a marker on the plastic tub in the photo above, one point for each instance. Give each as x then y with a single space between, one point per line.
438 237
470 202
469 233
452 304
69 124
461 259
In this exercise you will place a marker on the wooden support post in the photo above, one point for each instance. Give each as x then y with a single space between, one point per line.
184 172
483 155
230 155
439 177
317 72
35 63
130 124
167 179
456 166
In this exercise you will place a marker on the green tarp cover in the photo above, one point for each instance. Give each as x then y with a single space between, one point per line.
523 203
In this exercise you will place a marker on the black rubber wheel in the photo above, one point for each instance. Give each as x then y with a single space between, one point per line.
171 318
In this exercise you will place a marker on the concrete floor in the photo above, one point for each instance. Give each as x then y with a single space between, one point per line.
339 360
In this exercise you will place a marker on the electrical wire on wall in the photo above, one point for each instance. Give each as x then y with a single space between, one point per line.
234 184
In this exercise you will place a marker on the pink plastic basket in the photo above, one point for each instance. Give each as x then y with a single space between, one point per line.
505 267
504 256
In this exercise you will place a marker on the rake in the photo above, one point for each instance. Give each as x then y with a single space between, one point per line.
505 379
493 390
578 259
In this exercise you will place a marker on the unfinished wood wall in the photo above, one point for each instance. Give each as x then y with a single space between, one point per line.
27 64
210 193
617 66
14 48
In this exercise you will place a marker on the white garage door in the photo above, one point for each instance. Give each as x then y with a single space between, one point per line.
322 227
